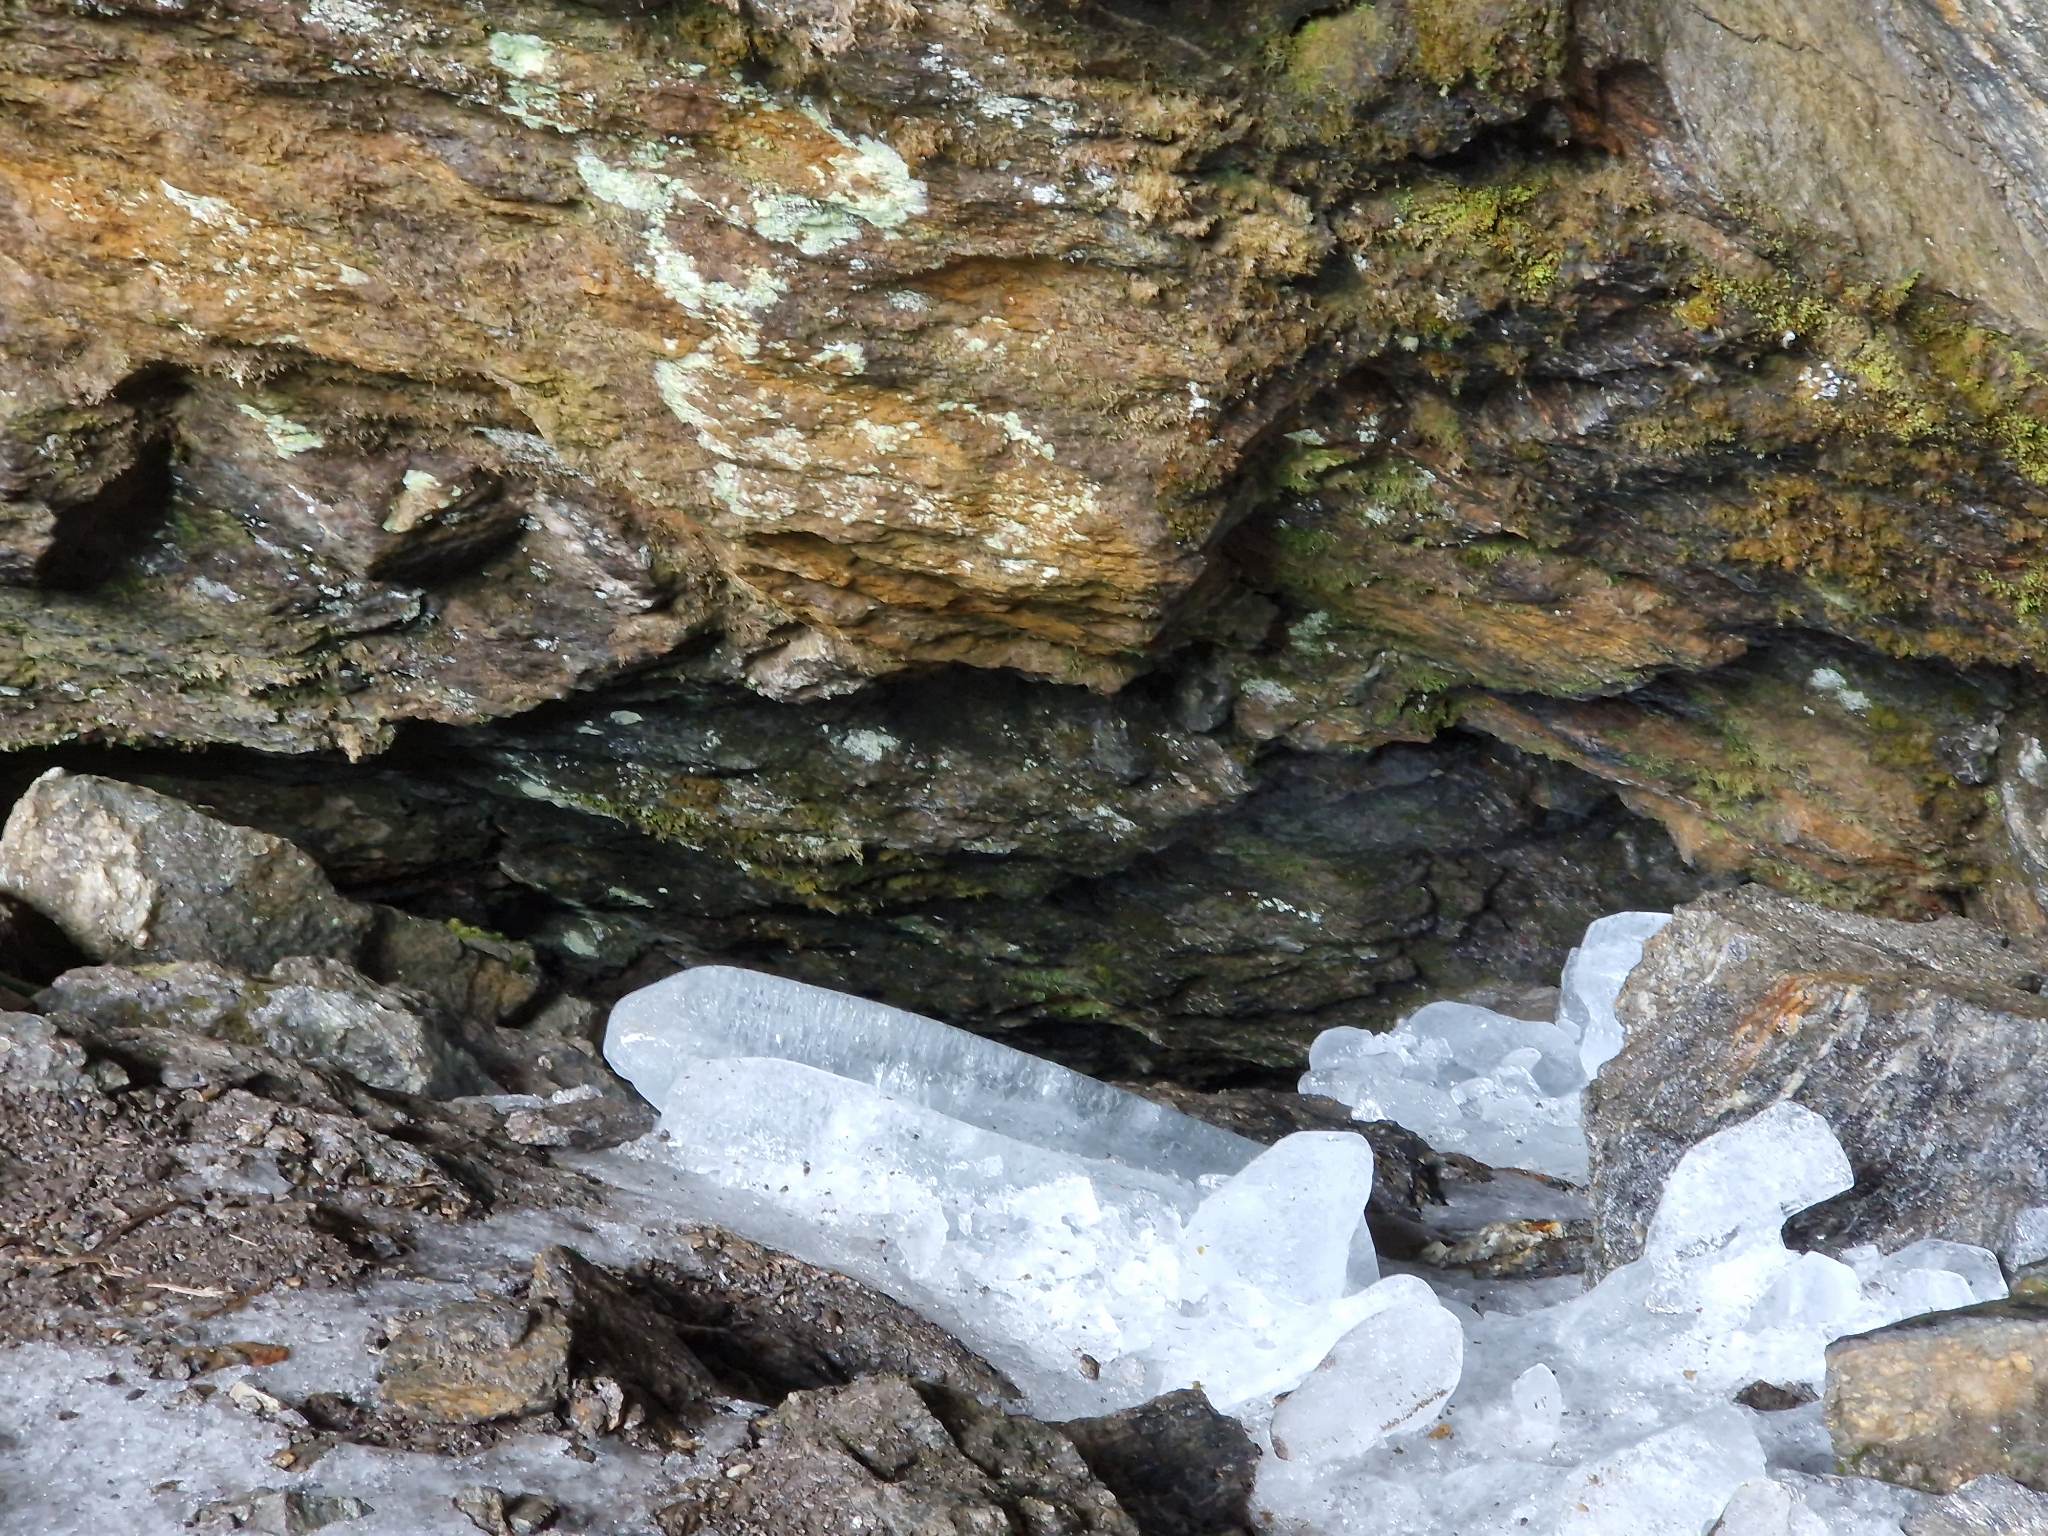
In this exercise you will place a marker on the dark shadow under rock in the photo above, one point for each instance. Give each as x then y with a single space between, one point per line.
770 1324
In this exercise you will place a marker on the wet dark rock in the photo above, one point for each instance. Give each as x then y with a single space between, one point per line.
33 950
320 1011
1407 1174
76 496
1937 1400
769 1323
1769 1397
1919 1043
476 1361
1176 1465
621 1331
886 1455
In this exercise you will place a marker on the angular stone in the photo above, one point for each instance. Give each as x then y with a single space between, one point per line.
475 1361
133 875
883 1455
469 975
1935 1401
280 1512
1918 1043
318 1011
1178 1467
34 1054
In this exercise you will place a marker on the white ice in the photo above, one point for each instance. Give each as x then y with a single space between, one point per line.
1114 1248
1501 1089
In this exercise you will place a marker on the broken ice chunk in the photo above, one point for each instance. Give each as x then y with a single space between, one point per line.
1465 1079
1592 980
1538 1402
1931 1275
1669 1484
717 1012
1737 1187
1283 1228
1388 1375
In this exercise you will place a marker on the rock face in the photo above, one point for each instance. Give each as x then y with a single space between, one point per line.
1936 1401
1150 533
1919 1043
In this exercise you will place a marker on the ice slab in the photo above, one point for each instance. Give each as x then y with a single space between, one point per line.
1079 1224
1387 1376
1103 1249
721 1013
1501 1089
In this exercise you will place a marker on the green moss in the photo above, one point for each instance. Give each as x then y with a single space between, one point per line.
470 933
1332 61
1485 554
1503 45
1390 488
2026 594
1302 467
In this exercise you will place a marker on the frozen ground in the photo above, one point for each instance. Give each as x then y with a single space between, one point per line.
1102 1251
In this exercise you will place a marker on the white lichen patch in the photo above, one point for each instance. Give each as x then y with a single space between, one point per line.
685 385
887 437
352 17
868 178
812 227
214 212
1009 423
841 357
287 437
870 746
537 106
733 307
1828 681
1823 381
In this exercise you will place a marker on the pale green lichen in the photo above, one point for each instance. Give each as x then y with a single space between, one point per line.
287 437
657 195
521 55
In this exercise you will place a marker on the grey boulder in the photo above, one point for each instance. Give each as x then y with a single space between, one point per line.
1919 1043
